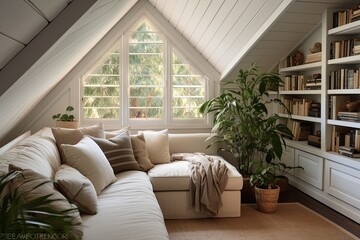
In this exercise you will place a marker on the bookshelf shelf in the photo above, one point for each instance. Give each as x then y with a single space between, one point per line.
345 60
344 123
343 91
301 118
347 29
301 92
304 67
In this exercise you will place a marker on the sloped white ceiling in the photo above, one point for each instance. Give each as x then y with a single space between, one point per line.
294 25
52 66
220 29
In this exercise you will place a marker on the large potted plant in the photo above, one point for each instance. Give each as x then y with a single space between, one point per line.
66 120
242 124
32 218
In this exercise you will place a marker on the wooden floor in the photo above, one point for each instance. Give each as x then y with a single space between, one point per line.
295 195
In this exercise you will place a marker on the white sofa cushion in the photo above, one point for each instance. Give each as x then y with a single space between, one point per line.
87 157
38 153
157 146
128 209
175 176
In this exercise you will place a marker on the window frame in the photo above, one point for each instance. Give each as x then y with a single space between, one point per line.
171 41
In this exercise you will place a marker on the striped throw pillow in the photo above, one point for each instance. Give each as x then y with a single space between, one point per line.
118 151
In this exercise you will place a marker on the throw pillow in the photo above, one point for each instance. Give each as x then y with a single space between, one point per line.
73 136
118 151
77 188
87 157
33 185
116 132
157 146
139 147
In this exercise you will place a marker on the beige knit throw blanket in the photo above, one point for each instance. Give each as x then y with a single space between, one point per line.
209 178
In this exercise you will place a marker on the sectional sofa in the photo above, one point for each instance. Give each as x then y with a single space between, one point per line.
132 204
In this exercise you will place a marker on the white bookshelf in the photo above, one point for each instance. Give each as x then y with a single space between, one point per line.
337 177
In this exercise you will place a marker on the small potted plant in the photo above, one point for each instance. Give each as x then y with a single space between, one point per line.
266 191
66 120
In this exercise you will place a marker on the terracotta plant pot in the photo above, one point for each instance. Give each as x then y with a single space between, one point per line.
67 124
266 199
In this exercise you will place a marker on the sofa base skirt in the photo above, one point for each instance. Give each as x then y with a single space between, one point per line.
177 205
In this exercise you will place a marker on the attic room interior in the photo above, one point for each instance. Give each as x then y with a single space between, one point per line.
180 119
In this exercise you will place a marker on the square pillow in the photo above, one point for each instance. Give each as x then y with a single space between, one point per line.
33 185
139 147
118 151
76 188
73 136
88 158
112 134
157 146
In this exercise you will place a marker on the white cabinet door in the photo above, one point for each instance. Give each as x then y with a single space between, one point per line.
313 168
342 182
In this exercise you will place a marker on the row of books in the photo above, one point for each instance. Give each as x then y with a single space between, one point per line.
344 48
301 130
337 103
345 141
349 116
301 82
301 107
344 79
346 16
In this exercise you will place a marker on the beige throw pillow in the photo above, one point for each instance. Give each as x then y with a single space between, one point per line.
157 146
118 151
73 136
139 147
77 188
87 157
33 185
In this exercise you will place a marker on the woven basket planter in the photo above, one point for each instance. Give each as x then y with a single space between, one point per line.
67 124
266 199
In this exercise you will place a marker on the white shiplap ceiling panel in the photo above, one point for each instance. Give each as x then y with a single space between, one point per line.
205 21
26 23
245 32
218 29
49 8
9 48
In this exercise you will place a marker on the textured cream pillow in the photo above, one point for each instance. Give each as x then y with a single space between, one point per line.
14 142
118 151
87 157
73 136
77 188
34 185
139 147
157 146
